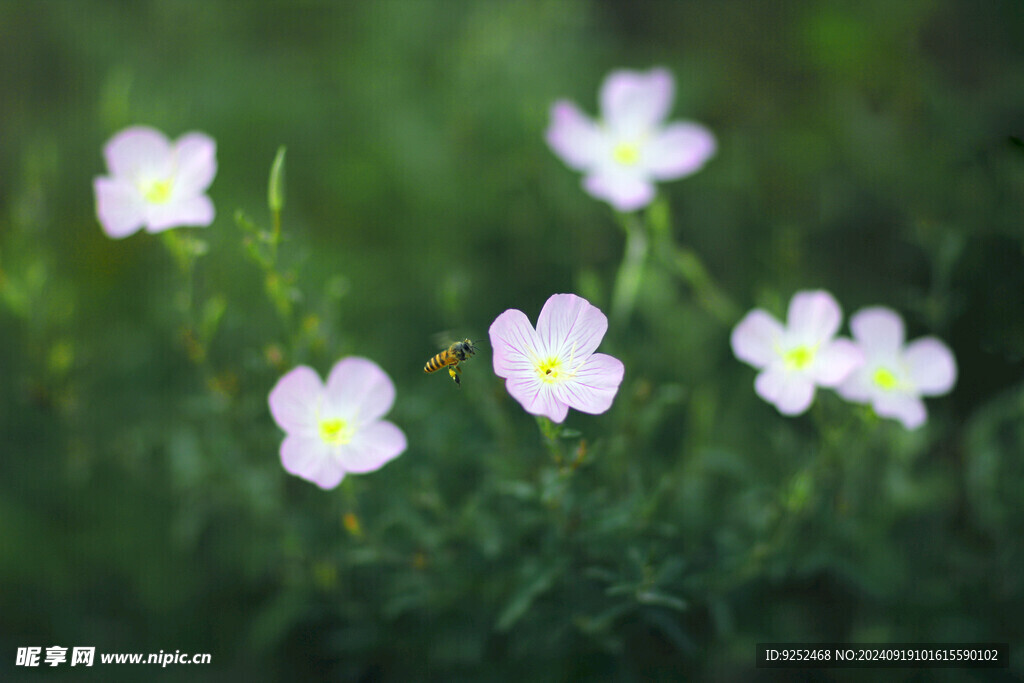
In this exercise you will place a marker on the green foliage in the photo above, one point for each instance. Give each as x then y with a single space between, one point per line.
871 149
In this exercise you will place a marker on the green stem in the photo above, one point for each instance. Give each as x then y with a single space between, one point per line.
550 431
186 250
275 237
348 491
811 493
685 264
275 198
627 282
184 254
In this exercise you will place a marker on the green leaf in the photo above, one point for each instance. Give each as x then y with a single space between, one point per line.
524 597
244 222
213 311
650 597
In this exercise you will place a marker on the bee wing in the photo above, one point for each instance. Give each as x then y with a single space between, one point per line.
443 339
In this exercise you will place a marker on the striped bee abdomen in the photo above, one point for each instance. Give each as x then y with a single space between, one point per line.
437 362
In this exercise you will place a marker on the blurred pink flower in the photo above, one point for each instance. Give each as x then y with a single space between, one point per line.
153 184
799 357
554 368
336 429
895 376
631 147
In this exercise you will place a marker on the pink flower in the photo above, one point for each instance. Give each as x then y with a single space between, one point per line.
336 429
153 184
622 155
895 376
554 368
799 357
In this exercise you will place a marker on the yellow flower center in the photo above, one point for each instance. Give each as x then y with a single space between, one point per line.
626 153
335 431
886 379
157 191
556 368
548 369
798 358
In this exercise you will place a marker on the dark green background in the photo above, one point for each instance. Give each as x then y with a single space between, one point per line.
870 148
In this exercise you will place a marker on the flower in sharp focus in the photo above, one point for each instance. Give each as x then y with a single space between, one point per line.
895 375
796 358
155 184
553 368
631 147
335 429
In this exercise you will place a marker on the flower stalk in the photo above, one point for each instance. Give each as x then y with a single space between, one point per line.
684 263
262 245
551 435
630 275
275 198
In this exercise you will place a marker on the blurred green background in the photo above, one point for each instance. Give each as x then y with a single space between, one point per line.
870 148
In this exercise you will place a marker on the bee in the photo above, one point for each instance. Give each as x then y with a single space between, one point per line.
450 358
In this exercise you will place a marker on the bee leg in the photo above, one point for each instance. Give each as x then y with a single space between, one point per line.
453 371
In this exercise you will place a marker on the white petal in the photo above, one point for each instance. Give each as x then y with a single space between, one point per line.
791 393
536 397
569 326
677 151
814 317
515 347
857 387
755 339
294 400
196 158
877 329
139 151
311 459
906 408
358 390
574 137
192 212
119 208
931 366
633 102
372 446
834 362
624 191
594 385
